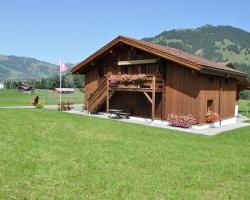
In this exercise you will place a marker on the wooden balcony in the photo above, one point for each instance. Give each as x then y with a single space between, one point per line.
151 83
149 88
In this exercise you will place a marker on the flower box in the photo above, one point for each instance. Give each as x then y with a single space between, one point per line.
132 81
184 121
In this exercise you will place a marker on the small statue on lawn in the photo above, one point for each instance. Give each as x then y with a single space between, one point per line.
35 101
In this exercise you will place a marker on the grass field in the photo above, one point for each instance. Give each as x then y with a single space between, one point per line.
244 107
52 155
12 97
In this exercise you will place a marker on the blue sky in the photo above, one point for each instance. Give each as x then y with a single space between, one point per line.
73 29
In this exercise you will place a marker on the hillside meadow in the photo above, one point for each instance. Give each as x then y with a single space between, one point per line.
46 154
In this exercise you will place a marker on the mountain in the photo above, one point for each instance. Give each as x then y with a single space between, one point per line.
217 43
23 68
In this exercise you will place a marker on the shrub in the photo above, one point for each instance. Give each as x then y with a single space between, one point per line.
212 117
39 106
184 121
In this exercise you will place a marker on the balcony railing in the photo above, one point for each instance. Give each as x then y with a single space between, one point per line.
145 84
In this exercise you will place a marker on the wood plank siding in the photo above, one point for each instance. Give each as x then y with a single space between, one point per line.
188 91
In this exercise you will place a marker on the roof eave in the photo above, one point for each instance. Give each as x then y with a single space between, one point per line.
222 72
76 68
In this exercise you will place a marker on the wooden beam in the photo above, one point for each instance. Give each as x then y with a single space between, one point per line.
136 89
137 62
107 95
153 98
148 97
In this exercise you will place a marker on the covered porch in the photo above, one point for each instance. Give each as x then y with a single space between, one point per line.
144 99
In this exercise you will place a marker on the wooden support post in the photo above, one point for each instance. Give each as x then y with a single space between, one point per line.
107 96
153 98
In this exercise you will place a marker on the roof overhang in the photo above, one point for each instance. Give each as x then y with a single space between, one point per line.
221 72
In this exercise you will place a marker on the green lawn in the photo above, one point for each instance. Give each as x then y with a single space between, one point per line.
52 155
11 97
244 107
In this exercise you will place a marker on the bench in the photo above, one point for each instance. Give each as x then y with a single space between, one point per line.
65 106
119 113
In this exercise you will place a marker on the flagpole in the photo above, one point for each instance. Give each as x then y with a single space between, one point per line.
60 85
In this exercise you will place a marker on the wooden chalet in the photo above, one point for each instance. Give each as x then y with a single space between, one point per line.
176 81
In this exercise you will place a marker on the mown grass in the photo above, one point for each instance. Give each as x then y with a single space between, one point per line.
12 97
53 155
244 107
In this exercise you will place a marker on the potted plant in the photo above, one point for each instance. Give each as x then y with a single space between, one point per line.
212 117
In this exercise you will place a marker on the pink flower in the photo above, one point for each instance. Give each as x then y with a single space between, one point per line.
184 121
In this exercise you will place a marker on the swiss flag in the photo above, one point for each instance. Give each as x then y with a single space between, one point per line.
63 67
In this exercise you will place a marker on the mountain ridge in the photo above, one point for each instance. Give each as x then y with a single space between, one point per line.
216 43
23 68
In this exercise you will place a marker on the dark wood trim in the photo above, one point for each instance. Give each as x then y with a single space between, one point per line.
157 90
148 97
107 96
153 98
220 96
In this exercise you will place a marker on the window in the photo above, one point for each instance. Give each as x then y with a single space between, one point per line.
210 105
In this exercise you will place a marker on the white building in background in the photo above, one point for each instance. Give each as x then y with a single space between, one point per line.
1 85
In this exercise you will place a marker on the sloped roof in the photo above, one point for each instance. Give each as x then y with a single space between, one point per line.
175 55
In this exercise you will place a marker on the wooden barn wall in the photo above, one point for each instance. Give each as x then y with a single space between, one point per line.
91 83
210 87
187 92
228 98
119 53
181 90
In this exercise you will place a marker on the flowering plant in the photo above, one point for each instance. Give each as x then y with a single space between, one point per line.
184 121
212 117
127 78
139 78
113 79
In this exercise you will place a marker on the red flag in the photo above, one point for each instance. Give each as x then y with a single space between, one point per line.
63 67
